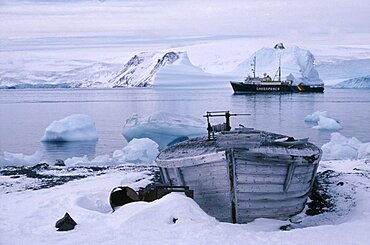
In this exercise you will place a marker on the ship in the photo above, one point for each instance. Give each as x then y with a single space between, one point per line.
265 84
238 175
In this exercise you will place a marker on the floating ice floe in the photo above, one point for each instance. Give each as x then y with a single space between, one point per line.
315 117
138 151
341 147
76 127
19 159
163 128
324 122
142 151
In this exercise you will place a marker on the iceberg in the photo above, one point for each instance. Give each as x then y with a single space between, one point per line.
76 127
163 128
297 65
341 147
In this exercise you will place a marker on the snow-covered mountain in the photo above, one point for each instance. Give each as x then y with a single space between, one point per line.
93 75
168 69
163 69
142 68
297 64
359 82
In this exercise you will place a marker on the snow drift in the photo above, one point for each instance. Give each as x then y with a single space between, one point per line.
297 65
163 128
76 127
359 82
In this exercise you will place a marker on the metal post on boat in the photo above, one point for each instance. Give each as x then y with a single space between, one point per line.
227 126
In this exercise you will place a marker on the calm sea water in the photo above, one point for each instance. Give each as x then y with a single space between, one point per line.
25 114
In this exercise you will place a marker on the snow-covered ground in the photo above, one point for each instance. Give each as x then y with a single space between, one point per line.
30 215
85 44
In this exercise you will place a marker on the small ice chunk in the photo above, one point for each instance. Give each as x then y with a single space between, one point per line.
326 123
76 127
143 151
315 117
19 159
74 161
163 128
341 147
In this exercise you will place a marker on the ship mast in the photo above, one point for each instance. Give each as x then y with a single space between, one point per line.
280 68
254 67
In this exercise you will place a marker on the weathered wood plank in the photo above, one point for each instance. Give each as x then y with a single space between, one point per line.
253 168
271 179
270 212
246 196
273 188
267 204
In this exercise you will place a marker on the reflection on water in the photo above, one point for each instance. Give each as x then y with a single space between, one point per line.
63 150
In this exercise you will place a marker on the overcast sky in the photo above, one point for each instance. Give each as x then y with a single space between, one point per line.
152 19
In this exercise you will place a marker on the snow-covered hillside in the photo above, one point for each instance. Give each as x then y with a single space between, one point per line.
359 82
92 75
163 69
167 68
141 69
297 64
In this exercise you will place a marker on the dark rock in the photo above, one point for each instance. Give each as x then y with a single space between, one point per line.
286 227
59 162
40 166
122 195
66 223
340 183
279 46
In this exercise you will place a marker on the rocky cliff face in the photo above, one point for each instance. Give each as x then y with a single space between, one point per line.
141 69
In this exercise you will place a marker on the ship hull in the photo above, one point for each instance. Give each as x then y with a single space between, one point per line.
240 87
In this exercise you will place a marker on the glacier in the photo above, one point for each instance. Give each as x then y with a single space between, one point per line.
358 83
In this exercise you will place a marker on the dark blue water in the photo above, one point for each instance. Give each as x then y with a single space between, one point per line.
25 114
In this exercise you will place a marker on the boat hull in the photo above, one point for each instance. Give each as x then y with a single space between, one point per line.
240 87
243 182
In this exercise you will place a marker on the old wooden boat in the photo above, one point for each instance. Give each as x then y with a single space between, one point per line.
243 174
